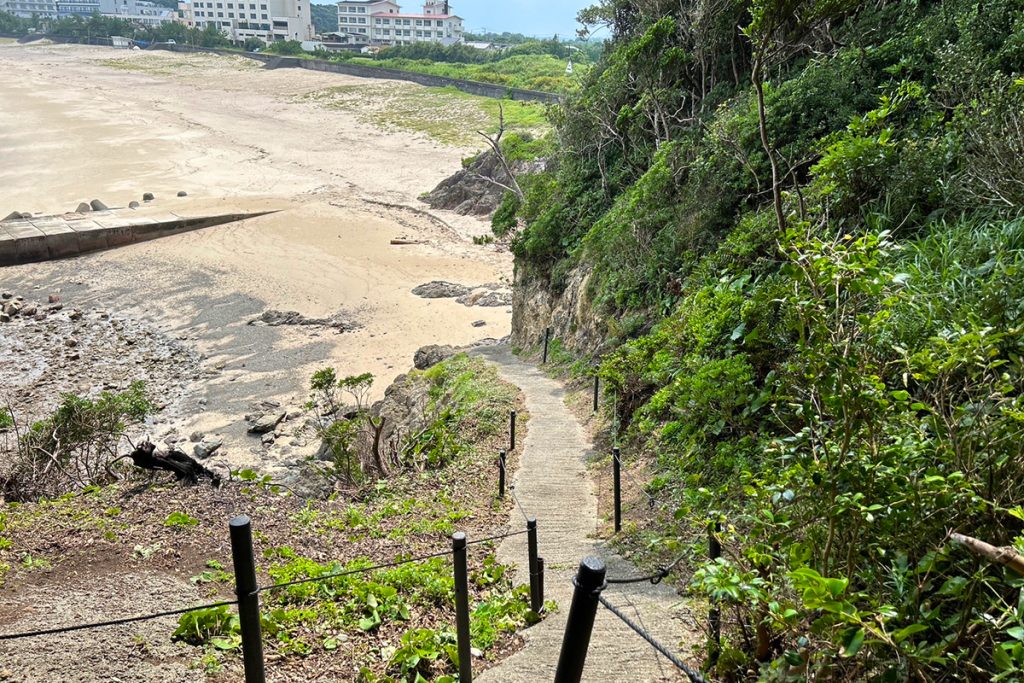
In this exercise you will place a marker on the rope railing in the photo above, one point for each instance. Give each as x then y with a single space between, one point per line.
694 676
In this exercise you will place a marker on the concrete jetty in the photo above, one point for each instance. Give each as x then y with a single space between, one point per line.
34 239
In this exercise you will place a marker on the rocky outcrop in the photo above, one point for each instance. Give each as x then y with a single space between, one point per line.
477 189
439 289
569 312
429 356
338 321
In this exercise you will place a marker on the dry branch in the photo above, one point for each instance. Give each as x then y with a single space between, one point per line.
1005 556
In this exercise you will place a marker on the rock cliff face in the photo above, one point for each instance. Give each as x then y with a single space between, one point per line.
570 313
471 190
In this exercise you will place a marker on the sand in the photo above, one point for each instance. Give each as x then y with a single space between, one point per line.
78 123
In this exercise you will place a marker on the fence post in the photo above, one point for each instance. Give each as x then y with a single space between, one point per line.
580 624
512 431
617 485
462 606
715 615
248 599
540 580
501 474
547 338
536 597
597 384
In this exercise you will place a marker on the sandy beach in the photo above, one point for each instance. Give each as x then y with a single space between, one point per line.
78 123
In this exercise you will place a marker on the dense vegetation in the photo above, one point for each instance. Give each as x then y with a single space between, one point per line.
803 225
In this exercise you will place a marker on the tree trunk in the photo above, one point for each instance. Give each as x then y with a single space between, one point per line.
758 79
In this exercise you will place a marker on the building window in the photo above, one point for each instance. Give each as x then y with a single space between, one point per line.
440 23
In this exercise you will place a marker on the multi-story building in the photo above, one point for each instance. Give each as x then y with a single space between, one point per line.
138 11
28 9
77 8
382 22
267 20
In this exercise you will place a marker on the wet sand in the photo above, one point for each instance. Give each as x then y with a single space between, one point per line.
73 127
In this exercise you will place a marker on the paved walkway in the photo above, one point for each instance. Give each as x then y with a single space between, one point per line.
553 486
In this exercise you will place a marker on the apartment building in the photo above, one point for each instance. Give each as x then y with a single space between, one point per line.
27 9
267 20
382 22
138 11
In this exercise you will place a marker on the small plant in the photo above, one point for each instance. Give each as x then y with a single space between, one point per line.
181 520
29 562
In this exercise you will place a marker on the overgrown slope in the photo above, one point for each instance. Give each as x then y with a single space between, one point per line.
796 246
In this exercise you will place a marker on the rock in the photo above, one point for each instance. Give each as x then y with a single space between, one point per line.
97 205
183 193
479 323
486 299
83 208
53 299
473 190
266 423
6 295
268 439
196 436
207 447
40 316
12 308
55 307
273 318
4 318
16 216
133 205
148 197
75 314
71 342
429 356
29 311
439 289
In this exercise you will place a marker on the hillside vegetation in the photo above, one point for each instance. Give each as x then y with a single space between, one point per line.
801 227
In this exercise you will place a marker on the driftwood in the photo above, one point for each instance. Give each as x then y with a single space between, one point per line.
1005 556
185 468
404 242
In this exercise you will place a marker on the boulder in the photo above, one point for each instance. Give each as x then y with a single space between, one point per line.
207 447
83 208
133 205
97 205
148 197
486 299
183 193
439 289
4 318
429 356
266 423
6 295
12 308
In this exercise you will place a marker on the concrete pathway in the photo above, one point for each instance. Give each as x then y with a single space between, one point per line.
553 486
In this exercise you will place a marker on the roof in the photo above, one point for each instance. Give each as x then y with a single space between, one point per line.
416 16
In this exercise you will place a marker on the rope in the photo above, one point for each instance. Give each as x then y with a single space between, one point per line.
694 676
654 501
512 491
328 577
113 622
655 578
498 538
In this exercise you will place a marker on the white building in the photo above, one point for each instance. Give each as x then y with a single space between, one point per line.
138 11
267 20
27 9
382 22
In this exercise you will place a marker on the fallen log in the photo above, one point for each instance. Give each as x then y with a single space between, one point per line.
1005 556
185 468
405 242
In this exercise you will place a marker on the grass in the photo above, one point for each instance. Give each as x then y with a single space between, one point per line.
445 115
396 622
171 64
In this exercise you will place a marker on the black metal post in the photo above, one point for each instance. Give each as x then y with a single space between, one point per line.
597 385
501 474
617 485
248 598
547 338
715 615
540 579
536 596
580 624
462 606
512 431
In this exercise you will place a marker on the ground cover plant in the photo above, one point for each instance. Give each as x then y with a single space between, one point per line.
802 228
388 624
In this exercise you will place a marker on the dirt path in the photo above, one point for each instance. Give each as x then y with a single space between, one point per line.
553 486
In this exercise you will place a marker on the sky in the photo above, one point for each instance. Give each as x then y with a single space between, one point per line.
531 17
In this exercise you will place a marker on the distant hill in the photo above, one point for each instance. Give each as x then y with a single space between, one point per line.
325 18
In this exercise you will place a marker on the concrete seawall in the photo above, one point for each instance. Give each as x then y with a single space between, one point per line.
33 240
491 90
